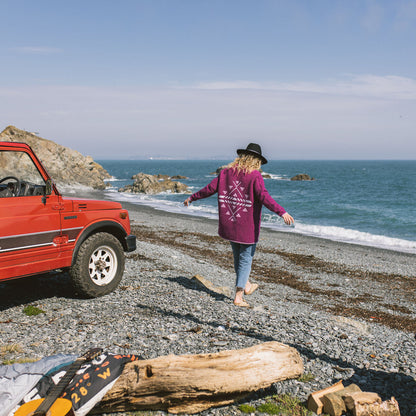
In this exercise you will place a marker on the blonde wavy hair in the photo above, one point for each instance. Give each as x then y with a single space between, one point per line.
245 163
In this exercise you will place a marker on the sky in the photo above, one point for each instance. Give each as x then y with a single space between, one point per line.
306 79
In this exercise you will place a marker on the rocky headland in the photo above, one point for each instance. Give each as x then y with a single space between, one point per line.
66 166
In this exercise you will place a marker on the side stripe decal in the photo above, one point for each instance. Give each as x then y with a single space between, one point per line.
41 239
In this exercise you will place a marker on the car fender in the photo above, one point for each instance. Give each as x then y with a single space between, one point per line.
111 227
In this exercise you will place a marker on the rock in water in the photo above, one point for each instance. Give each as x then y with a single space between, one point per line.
66 166
152 184
302 177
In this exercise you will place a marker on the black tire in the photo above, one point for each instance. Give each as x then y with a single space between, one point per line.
99 266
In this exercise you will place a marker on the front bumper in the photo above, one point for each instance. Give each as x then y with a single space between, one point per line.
131 243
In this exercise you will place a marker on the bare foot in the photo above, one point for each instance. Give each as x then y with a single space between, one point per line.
251 288
242 303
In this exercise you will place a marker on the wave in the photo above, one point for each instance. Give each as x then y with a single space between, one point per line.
277 177
346 235
114 179
163 204
272 222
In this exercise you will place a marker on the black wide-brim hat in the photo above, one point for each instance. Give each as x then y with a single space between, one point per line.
253 149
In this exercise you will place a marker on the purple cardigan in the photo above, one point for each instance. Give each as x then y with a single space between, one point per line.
240 199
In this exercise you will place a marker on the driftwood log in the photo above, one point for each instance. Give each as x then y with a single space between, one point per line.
193 383
370 404
358 398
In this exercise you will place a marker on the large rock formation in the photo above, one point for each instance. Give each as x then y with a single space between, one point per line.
66 166
153 184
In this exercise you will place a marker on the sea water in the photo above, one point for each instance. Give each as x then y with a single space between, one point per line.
363 202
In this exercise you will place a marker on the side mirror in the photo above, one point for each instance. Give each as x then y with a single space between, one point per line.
48 190
48 187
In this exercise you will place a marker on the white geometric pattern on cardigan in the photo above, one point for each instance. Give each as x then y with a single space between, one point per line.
235 201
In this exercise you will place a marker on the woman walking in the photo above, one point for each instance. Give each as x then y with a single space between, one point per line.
241 195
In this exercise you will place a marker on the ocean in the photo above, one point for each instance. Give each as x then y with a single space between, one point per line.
363 202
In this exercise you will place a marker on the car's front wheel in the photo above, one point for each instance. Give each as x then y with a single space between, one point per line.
99 265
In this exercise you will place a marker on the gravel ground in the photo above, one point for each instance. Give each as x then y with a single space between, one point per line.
349 310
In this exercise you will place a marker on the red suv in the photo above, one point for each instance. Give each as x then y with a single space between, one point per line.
42 231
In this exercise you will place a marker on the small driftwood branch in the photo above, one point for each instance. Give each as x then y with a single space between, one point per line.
334 402
315 399
192 383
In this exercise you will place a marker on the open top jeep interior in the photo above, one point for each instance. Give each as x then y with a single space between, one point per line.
19 175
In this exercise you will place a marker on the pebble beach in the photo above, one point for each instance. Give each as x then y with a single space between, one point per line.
348 309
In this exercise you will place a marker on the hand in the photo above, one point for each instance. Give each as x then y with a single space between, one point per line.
288 219
187 202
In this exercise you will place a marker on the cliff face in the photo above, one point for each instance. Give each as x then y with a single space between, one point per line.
66 166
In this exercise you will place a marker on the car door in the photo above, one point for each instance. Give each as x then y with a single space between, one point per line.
29 219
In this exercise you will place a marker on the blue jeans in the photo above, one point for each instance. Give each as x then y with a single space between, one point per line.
243 257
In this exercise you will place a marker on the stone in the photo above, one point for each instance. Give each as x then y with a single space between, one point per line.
302 177
153 184
207 284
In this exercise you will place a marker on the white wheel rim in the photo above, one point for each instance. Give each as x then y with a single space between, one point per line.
103 265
